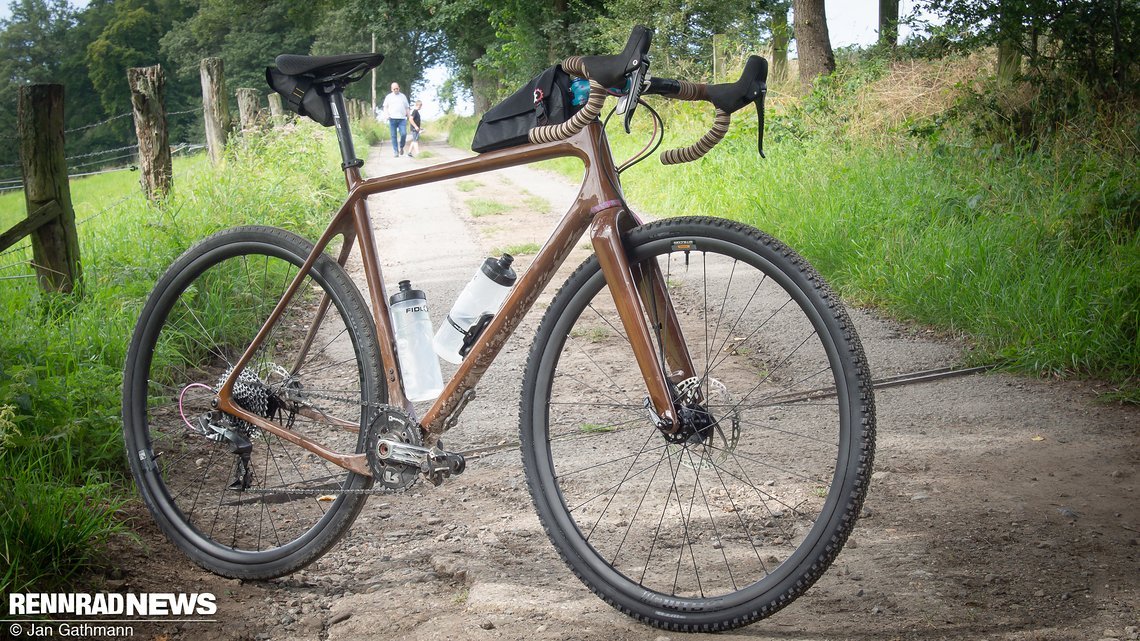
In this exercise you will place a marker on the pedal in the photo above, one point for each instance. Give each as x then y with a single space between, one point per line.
434 463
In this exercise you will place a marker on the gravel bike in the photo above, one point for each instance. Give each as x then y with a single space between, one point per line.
696 423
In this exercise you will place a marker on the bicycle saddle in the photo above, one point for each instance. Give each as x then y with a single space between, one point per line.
322 66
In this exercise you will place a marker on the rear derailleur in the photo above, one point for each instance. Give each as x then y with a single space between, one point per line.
221 428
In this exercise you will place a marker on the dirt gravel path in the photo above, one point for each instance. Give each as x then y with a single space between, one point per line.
1001 508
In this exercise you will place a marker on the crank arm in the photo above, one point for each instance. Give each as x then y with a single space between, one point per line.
433 463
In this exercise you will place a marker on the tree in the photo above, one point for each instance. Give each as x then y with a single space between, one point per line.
812 40
780 35
1096 41
468 34
129 40
33 40
889 23
247 34
683 30
33 45
409 43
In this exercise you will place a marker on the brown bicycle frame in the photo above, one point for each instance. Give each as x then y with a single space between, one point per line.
599 209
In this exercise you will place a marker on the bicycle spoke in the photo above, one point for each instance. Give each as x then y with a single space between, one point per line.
709 507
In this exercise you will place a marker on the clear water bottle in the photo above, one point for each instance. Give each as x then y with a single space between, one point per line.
474 308
408 308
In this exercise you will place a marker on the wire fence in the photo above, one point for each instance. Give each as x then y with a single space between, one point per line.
23 248
183 148
102 157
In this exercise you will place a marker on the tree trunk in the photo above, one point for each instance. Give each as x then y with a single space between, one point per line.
216 107
889 23
1010 33
248 104
780 43
812 40
483 89
55 245
1008 60
148 96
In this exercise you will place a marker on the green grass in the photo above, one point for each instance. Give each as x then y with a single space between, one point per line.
480 207
593 334
522 249
468 185
92 194
1033 257
1019 252
536 204
461 130
61 357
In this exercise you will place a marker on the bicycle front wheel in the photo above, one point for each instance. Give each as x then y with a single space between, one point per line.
739 514
237 499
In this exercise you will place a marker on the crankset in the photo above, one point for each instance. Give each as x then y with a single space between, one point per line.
397 456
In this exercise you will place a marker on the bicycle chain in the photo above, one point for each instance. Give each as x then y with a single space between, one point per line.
302 393
331 492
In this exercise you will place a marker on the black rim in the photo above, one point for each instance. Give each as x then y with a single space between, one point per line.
790 570
157 486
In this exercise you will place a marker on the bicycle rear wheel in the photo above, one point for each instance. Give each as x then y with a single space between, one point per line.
739 516
237 499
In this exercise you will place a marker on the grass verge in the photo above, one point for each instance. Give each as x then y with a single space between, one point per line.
61 452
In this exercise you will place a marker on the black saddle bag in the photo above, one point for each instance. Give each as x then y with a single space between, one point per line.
300 95
542 101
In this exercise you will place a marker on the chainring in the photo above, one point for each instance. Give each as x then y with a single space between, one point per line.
391 423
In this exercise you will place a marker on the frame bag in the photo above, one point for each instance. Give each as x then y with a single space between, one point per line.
545 100
300 95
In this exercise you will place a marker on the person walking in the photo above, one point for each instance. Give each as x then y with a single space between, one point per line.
396 109
414 123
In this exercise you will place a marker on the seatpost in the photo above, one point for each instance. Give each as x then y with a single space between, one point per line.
343 131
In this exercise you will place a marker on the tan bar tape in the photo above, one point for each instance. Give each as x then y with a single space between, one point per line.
691 91
577 122
573 66
702 146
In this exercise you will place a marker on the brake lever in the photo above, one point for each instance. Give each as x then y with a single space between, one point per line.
759 102
636 85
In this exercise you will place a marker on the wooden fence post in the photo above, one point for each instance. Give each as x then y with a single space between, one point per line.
55 243
276 111
148 95
216 107
248 104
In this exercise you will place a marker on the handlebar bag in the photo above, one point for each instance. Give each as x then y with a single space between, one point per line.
301 96
545 100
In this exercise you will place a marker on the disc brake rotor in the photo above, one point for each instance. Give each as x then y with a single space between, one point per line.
717 422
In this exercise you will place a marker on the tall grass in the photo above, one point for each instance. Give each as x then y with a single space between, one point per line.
62 469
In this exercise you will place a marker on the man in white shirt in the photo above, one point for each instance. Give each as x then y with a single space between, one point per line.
396 109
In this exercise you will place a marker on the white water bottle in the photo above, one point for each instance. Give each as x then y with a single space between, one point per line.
473 310
408 309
